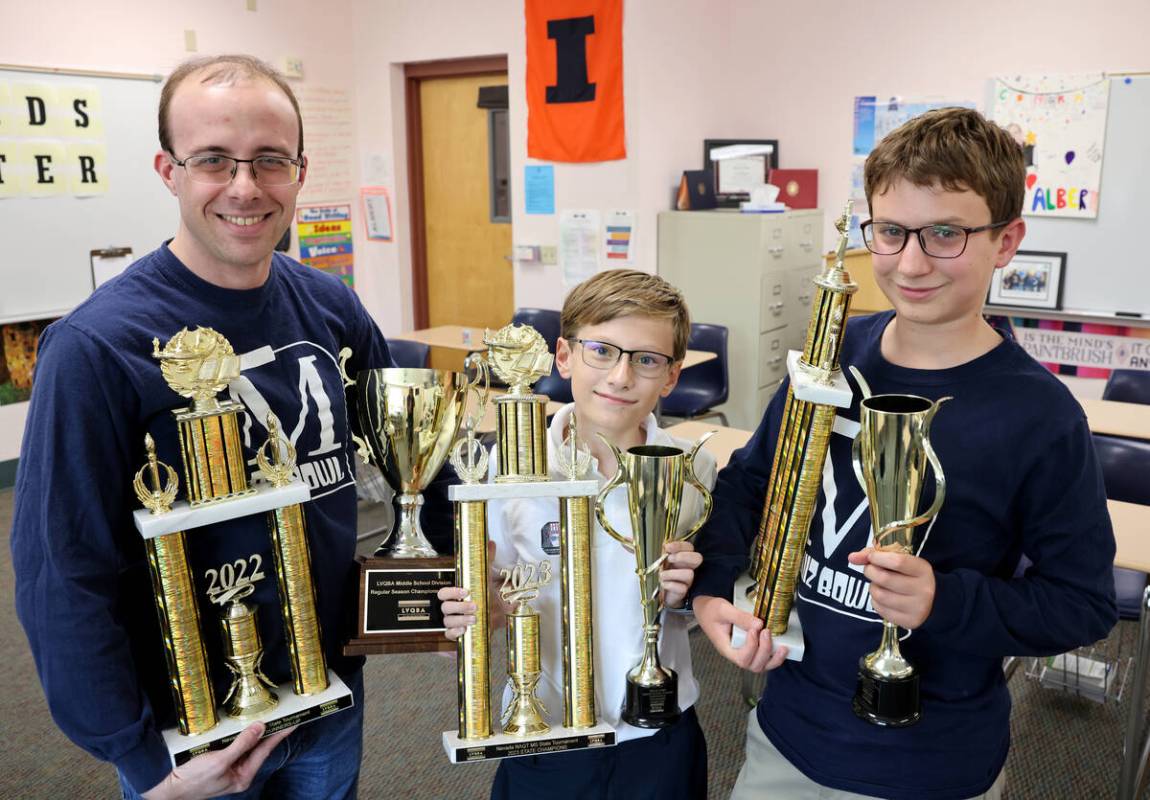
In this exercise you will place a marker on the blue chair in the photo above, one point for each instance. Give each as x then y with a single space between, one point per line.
703 386
546 321
1128 386
1125 465
412 355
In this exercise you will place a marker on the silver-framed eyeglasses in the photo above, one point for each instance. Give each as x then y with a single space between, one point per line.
938 241
604 355
219 170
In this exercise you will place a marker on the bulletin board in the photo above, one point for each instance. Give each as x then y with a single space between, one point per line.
1106 256
95 139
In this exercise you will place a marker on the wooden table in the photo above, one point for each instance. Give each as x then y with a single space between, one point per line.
1118 419
454 337
721 445
470 339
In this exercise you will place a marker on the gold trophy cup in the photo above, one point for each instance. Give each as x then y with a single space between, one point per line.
654 476
890 456
408 421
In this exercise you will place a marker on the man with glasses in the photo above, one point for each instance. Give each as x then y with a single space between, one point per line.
231 139
946 192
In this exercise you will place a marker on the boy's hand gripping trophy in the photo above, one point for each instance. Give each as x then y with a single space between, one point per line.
654 475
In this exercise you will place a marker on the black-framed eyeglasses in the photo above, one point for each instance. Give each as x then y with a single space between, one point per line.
219 170
604 355
938 241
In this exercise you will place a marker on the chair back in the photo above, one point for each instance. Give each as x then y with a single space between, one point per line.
408 354
1125 464
1128 386
705 385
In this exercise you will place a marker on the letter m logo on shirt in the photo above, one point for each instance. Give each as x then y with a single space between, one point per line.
575 80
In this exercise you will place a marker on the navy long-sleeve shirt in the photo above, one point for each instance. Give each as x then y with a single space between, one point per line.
82 585
1021 479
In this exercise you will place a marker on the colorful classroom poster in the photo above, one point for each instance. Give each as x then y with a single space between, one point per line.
1060 122
619 238
325 239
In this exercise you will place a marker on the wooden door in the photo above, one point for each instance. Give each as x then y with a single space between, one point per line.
469 274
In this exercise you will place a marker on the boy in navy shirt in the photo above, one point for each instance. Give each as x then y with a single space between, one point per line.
945 192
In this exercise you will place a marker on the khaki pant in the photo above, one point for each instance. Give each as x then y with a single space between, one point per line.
766 773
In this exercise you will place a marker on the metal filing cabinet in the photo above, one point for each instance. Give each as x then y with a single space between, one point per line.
752 273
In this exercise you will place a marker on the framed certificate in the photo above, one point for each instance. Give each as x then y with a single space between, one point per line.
738 166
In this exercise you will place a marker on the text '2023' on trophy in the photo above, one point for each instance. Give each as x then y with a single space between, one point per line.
526 729
197 365
890 456
408 420
654 476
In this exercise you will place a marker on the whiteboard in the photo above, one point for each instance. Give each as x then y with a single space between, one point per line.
1108 258
44 256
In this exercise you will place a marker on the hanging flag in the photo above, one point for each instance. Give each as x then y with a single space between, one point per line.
575 80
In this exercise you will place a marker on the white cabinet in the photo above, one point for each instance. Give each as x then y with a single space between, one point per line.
752 273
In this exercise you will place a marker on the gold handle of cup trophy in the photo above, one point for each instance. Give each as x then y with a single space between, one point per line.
689 474
619 479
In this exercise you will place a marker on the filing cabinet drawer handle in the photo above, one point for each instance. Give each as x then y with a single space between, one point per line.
777 309
774 362
776 250
807 244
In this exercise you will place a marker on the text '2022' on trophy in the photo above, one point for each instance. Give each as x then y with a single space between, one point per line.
654 476
198 365
890 456
407 420
519 356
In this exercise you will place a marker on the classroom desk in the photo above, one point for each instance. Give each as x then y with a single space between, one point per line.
470 339
721 445
1118 419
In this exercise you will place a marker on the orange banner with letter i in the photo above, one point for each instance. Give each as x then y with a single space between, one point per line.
575 80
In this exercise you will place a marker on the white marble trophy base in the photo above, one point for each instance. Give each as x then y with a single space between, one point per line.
292 709
183 517
502 745
792 639
468 492
805 387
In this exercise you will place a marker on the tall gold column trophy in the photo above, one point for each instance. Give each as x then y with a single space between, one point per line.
198 365
817 390
654 476
407 421
890 456
519 357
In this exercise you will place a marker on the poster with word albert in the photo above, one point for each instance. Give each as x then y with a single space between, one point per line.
1060 123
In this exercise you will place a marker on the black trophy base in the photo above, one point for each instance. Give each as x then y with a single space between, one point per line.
398 608
653 706
890 702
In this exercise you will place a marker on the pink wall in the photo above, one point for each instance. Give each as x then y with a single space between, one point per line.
803 63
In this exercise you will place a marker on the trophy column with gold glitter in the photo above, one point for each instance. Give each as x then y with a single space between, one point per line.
817 390
198 365
526 726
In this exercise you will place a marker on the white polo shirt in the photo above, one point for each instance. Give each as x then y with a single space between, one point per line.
527 529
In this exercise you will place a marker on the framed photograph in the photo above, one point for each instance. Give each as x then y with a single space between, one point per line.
1033 279
734 177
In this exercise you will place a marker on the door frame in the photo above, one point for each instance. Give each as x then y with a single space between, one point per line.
413 75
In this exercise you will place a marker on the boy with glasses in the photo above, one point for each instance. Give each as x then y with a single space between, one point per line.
945 191
231 140
624 338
